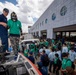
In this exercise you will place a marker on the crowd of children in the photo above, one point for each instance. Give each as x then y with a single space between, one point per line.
53 58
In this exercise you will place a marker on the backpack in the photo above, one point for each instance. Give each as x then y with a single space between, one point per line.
46 60
73 66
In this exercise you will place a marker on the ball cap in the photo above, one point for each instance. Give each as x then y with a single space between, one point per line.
6 10
30 53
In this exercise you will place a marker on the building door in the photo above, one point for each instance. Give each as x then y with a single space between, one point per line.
44 34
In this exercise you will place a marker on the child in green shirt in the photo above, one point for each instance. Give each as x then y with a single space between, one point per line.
65 63
57 64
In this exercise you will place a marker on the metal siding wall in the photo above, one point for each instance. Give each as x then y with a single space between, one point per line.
68 19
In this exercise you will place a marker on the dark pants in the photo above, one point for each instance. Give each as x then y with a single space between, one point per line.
4 39
56 70
75 49
54 67
51 64
64 74
45 68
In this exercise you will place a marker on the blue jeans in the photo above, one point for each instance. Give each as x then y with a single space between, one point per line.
45 68
4 39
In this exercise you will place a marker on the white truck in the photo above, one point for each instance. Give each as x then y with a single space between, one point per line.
28 36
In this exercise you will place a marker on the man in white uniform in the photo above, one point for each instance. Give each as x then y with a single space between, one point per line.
72 55
64 48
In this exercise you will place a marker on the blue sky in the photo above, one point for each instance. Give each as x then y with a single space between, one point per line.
12 1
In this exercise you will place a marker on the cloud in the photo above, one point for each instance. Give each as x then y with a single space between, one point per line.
28 11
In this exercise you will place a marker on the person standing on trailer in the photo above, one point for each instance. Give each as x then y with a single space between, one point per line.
15 30
4 31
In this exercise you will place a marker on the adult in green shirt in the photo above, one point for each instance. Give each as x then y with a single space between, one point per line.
36 51
52 41
41 44
57 64
66 62
46 43
15 31
32 48
26 52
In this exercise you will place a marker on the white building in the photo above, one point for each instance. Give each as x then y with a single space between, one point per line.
58 19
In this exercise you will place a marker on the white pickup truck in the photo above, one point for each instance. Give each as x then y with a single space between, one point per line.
27 42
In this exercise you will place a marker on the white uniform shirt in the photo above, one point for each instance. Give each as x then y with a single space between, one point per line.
72 55
40 51
51 56
59 53
64 50
47 51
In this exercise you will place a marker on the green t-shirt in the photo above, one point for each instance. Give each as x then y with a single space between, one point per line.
41 44
26 53
14 26
46 43
55 46
53 41
55 61
32 46
32 50
36 50
66 63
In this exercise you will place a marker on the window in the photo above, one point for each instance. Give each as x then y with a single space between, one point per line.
46 21
58 33
63 10
53 16
63 34
72 34
67 34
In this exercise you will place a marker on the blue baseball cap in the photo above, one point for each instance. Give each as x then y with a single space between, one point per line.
6 10
30 53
